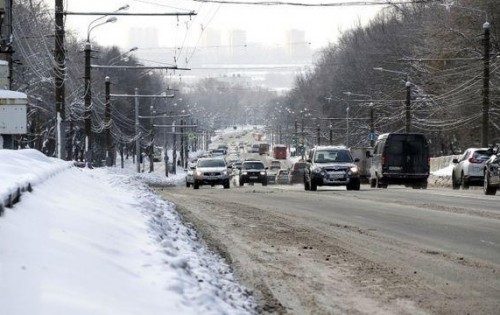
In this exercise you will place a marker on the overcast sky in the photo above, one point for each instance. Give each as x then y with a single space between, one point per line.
263 24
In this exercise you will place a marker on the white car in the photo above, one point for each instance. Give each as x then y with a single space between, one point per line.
469 168
211 171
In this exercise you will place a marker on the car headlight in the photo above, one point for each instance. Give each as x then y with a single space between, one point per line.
318 170
224 172
244 172
199 173
354 169
262 172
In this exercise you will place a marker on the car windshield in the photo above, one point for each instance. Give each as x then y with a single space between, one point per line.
211 163
329 156
253 166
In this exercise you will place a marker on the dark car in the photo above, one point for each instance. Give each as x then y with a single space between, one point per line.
253 172
297 172
400 159
331 166
492 173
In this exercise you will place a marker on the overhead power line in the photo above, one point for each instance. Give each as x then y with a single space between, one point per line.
329 4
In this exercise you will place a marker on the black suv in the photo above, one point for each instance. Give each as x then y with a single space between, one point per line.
331 166
253 172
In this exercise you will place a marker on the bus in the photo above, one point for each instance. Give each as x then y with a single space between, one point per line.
279 151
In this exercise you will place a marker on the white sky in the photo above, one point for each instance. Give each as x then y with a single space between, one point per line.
263 24
98 242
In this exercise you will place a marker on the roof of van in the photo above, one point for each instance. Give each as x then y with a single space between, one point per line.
385 135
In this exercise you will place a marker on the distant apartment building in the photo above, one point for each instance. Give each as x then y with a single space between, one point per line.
295 44
237 41
211 38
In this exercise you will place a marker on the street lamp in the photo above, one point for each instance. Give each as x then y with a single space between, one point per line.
408 95
88 92
119 57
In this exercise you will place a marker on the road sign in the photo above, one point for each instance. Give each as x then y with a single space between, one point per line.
191 136
372 136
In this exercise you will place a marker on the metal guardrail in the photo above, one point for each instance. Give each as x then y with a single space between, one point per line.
14 197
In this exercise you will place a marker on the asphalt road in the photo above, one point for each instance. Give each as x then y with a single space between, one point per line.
442 247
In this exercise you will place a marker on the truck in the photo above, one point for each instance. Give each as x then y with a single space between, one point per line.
263 148
279 151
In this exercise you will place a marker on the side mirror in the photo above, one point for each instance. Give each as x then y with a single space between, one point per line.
455 161
356 160
309 161
229 166
368 154
192 167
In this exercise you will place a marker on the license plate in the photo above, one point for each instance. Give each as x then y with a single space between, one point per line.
254 177
336 176
211 177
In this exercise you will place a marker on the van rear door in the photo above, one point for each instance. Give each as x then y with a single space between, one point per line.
406 154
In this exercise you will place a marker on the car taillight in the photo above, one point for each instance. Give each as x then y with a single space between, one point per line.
473 160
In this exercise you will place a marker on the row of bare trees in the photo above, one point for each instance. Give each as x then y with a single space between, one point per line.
437 48
214 103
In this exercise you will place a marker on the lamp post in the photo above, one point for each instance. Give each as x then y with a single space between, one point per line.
88 92
408 95
486 86
119 57
372 125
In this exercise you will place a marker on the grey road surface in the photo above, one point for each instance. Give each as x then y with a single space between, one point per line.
395 250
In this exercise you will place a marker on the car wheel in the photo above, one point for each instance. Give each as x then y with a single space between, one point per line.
241 182
419 185
188 185
353 186
226 185
465 184
454 183
307 186
313 185
196 185
380 184
264 183
488 190
373 183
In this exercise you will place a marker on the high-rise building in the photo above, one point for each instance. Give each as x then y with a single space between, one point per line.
237 41
296 44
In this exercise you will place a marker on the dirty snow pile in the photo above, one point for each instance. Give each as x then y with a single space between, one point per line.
101 242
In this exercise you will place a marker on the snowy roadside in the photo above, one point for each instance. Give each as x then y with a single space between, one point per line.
101 242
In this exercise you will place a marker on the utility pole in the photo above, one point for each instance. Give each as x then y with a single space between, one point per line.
318 135
296 137
182 143
408 107
136 97
486 86
59 79
174 149
331 134
372 126
137 135
107 123
88 110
